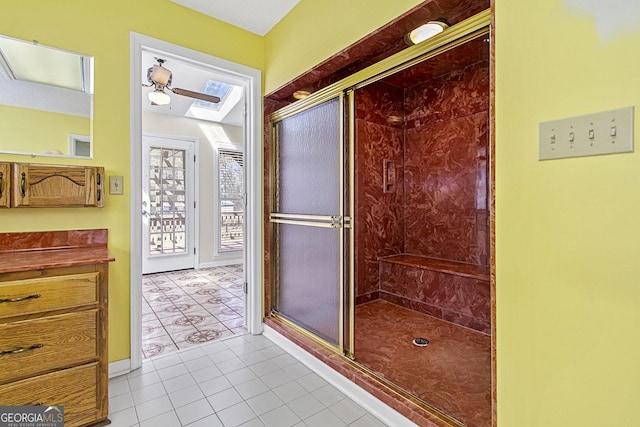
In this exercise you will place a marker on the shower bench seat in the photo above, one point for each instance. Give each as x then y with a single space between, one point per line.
445 266
449 290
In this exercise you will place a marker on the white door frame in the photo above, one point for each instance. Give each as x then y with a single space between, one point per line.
253 253
192 187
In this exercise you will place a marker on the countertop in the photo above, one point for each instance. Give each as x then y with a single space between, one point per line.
51 249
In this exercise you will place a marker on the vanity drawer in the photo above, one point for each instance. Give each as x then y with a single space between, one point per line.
75 388
34 346
29 296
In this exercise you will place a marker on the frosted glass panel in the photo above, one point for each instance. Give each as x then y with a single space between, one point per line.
309 161
309 278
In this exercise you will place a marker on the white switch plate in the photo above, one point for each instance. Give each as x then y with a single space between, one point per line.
115 185
589 135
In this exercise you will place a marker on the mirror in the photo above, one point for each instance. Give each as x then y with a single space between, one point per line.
46 100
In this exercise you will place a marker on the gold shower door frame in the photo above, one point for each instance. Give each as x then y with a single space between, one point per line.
340 222
469 29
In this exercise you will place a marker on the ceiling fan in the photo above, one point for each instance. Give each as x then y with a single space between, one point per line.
160 78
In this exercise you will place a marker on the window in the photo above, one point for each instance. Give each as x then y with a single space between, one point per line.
231 200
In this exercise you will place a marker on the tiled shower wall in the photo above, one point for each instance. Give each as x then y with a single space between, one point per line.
445 180
379 216
432 125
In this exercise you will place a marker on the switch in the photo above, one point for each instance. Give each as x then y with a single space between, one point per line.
116 185
592 134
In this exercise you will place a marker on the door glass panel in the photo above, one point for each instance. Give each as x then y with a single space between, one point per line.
309 277
166 201
309 238
308 161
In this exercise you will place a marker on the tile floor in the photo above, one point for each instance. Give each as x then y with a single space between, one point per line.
182 309
244 381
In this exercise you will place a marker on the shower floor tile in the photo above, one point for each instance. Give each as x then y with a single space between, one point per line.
452 373
183 309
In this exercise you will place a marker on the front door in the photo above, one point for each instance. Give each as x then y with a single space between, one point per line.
168 205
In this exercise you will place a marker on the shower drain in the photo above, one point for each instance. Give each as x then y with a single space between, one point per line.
421 342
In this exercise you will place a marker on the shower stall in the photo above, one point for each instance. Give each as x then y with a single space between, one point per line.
379 219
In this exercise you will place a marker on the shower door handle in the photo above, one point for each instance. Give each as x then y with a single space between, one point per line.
325 221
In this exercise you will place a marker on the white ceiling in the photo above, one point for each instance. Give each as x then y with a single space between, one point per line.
257 16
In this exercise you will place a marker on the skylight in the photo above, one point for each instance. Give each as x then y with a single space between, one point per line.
214 88
40 64
229 96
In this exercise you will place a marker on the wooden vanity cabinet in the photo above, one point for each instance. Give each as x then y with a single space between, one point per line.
53 325
40 185
5 185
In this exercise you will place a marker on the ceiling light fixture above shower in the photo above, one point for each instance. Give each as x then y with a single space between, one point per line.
426 31
301 94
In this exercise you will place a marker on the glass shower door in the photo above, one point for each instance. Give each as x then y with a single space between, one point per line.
308 220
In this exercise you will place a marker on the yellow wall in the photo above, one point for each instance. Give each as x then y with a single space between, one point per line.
102 29
37 131
568 231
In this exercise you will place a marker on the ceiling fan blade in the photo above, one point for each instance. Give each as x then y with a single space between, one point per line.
196 95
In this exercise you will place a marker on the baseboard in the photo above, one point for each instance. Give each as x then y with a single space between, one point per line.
373 405
220 263
119 367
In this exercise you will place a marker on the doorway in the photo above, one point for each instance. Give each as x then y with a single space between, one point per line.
249 134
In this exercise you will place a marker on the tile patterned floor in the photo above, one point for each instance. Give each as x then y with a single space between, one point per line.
244 381
186 308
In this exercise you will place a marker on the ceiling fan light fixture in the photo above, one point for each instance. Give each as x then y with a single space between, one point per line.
425 31
158 97
159 75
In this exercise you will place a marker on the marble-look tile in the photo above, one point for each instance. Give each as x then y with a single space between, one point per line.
462 300
452 373
382 104
441 184
21 260
379 218
25 241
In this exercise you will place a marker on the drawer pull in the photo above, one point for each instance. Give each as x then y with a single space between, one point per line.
23 178
34 296
21 349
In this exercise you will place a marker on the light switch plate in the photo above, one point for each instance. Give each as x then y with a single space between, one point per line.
589 135
116 185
